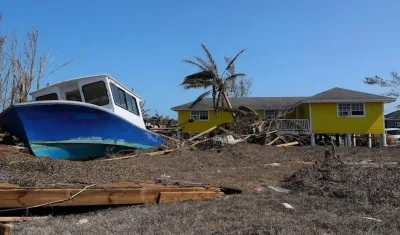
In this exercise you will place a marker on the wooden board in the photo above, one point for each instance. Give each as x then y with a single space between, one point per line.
182 196
107 194
5 230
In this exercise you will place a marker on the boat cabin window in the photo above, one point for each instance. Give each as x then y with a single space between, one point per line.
51 96
124 100
74 95
119 96
96 93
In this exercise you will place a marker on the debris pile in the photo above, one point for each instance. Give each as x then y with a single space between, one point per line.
247 126
364 183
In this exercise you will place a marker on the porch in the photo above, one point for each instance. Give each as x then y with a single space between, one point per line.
301 126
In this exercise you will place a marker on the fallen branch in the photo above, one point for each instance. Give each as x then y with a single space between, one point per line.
136 155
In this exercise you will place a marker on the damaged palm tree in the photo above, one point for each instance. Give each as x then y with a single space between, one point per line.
209 78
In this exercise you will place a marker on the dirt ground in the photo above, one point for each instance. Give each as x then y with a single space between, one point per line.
330 199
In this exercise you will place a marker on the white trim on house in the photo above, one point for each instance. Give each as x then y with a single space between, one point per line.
383 119
310 113
350 115
350 101
191 116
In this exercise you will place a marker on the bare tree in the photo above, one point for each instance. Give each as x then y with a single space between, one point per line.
21 66
5 72
393 84
143 110
239 86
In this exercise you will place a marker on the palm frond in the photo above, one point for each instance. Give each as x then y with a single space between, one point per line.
201 67
210 58
206 65
197 80
207 74
234 58
200 98
234 76
231 68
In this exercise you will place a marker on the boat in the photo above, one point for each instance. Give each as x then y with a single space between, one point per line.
80 119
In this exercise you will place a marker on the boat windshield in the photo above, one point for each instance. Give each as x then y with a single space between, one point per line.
96 93
74 95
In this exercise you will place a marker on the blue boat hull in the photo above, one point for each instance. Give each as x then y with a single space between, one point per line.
74 130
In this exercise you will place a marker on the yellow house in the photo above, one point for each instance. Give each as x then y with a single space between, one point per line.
335 111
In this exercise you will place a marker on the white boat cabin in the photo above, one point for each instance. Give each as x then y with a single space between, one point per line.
100 90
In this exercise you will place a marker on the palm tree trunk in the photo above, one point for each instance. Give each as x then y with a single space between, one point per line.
228 102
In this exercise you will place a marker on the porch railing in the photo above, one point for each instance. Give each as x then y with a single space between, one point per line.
297 125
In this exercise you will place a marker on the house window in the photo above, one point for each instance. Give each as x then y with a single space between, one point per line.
270 114
397 124
96 93
199 115
51 96
351 109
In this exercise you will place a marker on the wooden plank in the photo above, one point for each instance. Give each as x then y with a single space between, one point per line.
20 219
202 133
113 196
166 197
287 144
5 230
273 141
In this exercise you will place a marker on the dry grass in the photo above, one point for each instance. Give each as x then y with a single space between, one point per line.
329 201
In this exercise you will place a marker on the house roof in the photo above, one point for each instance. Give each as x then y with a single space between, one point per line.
252 102
335 94
342 95
393 115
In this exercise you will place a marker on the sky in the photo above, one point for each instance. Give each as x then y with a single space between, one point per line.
293 48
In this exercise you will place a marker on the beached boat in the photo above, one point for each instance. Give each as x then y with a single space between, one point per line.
80 119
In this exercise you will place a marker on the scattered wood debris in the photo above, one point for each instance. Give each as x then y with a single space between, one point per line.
370 218
247 126
278 189
287 205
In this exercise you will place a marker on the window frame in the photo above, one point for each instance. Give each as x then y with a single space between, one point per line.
396 124
134 105
73 91
275 111
125 97
105 88
199 115
351 110
54 93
